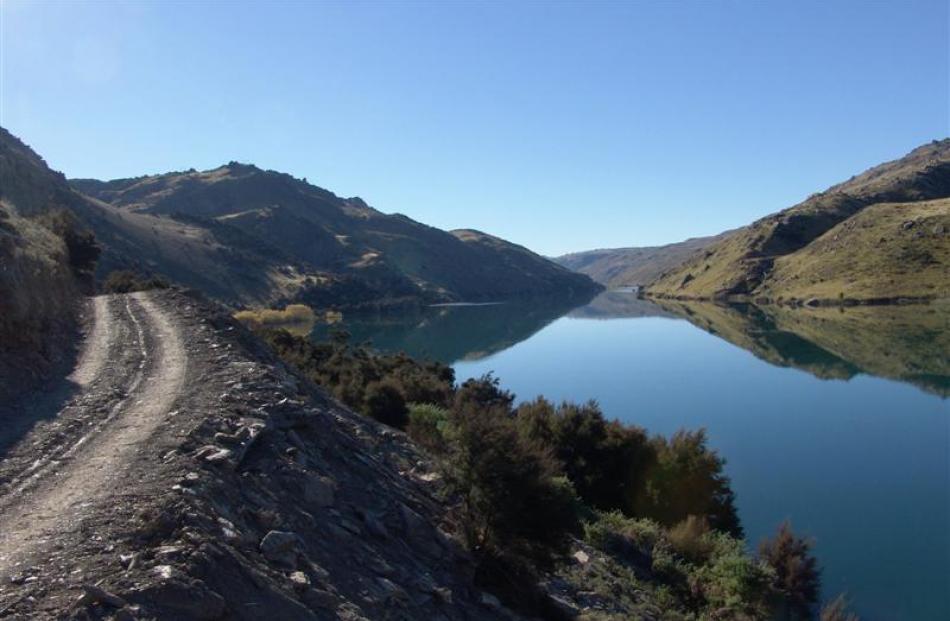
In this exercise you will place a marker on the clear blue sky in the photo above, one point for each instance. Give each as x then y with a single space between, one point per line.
559 125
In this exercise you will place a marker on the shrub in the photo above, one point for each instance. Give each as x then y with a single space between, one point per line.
731 583
690 539
428 425
80 242
687 479
797 575
511 497
384 402
604 460
293 315
348 371
483 392
127 281
631 540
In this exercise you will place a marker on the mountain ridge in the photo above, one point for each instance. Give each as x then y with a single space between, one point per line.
252 237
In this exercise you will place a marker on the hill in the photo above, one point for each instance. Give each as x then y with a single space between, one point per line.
765 258
624 267
313 246
46 259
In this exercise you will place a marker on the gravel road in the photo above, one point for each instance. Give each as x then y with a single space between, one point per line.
129 375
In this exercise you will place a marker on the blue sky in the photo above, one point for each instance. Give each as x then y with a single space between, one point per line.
559 125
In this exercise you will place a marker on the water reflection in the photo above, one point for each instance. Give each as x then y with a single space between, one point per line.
453 333
905 343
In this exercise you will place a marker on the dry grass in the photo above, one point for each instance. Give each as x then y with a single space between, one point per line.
297 319
887 250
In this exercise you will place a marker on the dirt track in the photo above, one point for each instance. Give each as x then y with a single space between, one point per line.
180 471
52 494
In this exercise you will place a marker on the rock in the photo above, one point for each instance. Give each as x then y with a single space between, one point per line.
164 572
319 491
280 547
294 438
490 601
581 557
125 614
299 580
392 591
218 456
444 594
92 594
319 599
375 526
175 599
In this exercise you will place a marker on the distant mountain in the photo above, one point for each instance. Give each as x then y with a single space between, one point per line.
624 267
871 237
247 236
254 236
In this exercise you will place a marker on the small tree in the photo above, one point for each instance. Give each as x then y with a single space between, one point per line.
797 575
688 479
512 495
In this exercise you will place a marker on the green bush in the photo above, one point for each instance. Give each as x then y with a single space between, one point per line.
687 479
512 498
349 372
428 426
731 582
127 281
606 461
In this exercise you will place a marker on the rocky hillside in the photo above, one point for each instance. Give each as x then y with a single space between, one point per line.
625 267
46 259
226 488
775 257
38 299
313 246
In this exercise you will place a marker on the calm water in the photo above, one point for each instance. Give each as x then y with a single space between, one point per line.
838 421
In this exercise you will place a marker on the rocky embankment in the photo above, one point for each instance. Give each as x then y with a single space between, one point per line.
181 472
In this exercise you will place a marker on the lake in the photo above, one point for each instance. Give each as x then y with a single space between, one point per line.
836 419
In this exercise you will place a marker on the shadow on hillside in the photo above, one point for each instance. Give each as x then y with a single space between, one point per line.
32 401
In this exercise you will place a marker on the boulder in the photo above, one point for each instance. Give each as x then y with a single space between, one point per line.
281 547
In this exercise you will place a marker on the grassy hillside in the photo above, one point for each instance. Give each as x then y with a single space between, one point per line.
624 267
744 262
884 251
329 249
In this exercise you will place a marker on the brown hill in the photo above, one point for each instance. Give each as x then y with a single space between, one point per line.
758 259
324 249
625 267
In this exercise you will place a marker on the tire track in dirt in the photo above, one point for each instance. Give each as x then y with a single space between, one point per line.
57 494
